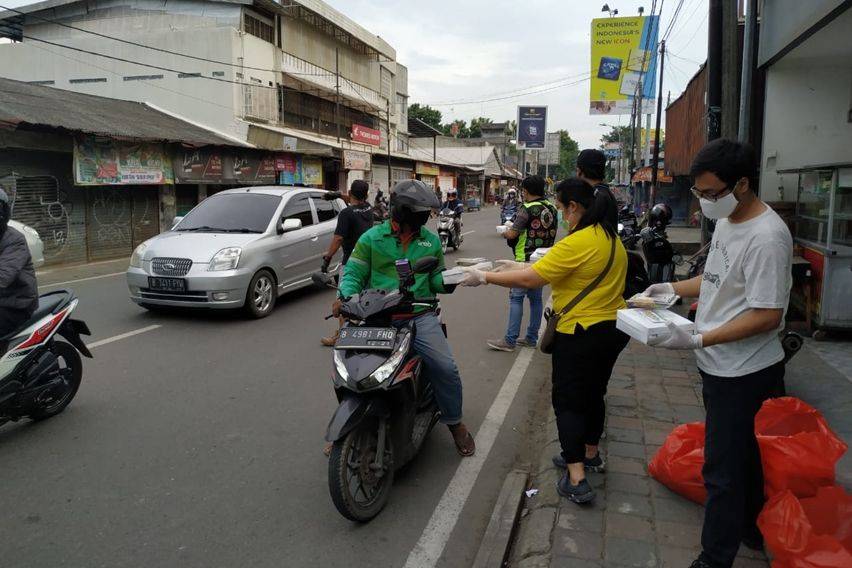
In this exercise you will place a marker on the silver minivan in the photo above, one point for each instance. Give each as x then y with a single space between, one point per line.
237 248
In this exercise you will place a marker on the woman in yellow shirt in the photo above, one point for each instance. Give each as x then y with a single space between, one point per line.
586 344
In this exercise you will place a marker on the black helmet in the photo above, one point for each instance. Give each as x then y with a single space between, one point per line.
5 211
659 216
411 202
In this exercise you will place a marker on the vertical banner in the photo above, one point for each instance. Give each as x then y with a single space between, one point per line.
624 51
532 127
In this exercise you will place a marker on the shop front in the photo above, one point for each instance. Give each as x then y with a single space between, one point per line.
356 165
400 170
428 174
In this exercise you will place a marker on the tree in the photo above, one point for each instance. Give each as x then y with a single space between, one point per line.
476 126
427 114
463 130
568 151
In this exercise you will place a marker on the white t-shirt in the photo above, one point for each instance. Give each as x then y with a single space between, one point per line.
748 266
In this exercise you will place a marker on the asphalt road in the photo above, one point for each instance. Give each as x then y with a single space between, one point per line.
198 443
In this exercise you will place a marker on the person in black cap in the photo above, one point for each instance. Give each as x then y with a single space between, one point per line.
591 168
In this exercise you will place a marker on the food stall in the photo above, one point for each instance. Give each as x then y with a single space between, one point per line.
823 230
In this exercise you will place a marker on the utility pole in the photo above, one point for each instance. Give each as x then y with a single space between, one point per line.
714 70
743 133
730 76
337 91
387 123
655 163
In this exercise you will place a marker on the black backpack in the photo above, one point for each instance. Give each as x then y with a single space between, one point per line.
637 280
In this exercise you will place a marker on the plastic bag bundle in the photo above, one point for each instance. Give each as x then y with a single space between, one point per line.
677 464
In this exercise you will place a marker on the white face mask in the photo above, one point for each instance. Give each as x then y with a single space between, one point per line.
720 208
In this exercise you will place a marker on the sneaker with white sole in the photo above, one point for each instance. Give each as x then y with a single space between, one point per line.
500 345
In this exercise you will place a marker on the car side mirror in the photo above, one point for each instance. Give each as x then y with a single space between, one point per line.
425 265
289 225
176 220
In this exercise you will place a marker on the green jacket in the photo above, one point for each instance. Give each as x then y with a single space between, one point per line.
372 263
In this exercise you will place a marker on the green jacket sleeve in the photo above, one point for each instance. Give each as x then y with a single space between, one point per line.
436 279
356 272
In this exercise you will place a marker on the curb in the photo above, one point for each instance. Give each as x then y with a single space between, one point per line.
497 541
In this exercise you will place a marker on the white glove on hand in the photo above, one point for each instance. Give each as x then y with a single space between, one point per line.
508 265
678 338
472 277
661 289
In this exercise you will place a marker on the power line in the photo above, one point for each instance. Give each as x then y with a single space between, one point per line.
688 19
700 23
153 48
683 58
673 20
524 94
512 91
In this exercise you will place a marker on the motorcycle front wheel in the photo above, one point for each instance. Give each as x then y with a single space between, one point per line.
358 490
444 241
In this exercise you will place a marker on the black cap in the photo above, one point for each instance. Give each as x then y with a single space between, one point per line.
591 159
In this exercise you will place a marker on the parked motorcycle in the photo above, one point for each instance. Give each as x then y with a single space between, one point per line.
659 253
448 230
387 408
39 374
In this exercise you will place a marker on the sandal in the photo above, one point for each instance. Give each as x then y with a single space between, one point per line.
463 439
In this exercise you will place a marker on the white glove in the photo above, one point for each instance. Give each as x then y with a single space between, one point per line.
678 338
659 289
472 277
508 265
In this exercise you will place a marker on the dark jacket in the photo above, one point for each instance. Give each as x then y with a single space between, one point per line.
18 289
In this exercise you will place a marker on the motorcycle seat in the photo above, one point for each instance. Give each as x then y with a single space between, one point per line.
46 305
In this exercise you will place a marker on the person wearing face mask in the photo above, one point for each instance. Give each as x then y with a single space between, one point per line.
586 343
372 265
742 297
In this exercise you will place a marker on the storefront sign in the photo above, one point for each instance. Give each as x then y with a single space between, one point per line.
199 164
300 171
286 163
532 127
354 160
108 162
366 135
312 171
427 169
254 168
289 143
623 53
644 174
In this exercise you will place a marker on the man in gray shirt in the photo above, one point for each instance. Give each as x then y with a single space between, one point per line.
742 298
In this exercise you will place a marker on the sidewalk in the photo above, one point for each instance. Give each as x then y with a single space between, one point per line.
64 273
636 521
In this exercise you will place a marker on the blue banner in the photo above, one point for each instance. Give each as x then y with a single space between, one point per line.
532 127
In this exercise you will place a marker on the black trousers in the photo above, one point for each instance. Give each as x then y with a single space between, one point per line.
733 474
582 366
11 320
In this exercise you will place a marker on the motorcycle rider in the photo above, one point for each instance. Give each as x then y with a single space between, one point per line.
510 204
352 222
372 265
18 289
455 205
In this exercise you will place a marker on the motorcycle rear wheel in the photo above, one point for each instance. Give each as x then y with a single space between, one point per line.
349 474
444 243
56 399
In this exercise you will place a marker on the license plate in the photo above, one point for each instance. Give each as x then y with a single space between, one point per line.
377 338
167 284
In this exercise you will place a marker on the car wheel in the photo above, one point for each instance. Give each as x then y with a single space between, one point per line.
261 295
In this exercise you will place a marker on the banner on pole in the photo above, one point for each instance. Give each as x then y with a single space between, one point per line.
624 51
532 127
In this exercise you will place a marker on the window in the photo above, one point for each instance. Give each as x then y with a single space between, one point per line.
232 213
259 26
299 208
325 209
401 142
188 75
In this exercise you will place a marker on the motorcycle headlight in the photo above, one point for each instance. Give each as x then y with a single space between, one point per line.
136 257
387 369
225 259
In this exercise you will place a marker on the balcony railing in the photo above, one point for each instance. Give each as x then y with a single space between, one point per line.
307 72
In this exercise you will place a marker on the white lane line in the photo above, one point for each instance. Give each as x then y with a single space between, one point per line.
429 548
468 232
84 279
121 336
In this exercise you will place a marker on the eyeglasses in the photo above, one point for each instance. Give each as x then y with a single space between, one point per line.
712 198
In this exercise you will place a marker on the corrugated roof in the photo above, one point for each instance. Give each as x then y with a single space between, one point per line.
36 105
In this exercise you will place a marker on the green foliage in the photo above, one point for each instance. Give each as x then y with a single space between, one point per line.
476 126
568 151
427 114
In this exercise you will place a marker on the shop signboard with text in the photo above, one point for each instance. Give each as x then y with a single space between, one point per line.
254 168
425 169
366 135
624 52
532 127
355 160
110 162
199 165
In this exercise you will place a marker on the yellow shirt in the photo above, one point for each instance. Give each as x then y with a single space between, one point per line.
572 264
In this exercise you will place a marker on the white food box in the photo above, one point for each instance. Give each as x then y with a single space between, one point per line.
501 229
649 325
538 254
456 274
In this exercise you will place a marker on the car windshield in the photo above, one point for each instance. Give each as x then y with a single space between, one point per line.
231 213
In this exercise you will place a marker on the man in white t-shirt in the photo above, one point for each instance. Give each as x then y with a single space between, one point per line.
742 297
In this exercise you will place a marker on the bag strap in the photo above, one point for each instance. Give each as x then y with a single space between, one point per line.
592 285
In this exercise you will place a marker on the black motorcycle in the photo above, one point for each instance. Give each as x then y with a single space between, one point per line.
39 375
387 408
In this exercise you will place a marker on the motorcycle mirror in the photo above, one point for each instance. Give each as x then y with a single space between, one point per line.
425 265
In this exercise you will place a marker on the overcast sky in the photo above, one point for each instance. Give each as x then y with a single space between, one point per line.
478 49
464 50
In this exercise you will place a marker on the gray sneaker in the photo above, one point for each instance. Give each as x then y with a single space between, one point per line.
524 342
500 345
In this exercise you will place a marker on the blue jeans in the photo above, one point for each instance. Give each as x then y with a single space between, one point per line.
439 367
516 314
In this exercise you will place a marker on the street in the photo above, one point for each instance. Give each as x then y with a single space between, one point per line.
196 440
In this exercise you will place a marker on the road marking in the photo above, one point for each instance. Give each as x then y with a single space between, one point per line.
121 336
431 545
84 279
468 232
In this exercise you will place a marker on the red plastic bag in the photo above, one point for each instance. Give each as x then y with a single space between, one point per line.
797 448
677 464
814 532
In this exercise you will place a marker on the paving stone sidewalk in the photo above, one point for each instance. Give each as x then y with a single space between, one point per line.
635 521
